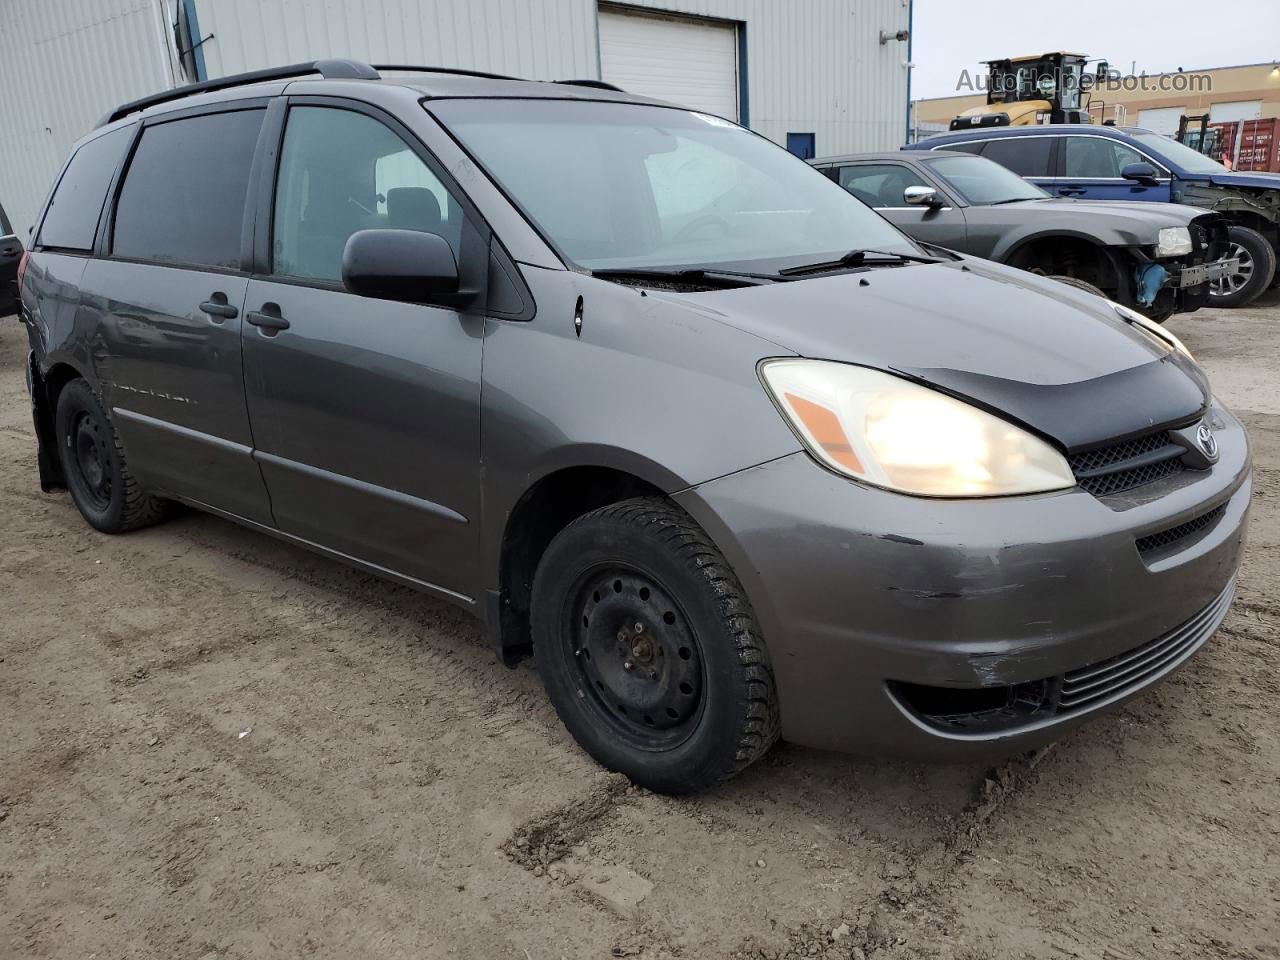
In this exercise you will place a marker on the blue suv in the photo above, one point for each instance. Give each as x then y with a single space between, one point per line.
1130 163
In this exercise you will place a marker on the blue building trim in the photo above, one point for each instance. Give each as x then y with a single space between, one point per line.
744 95
197 51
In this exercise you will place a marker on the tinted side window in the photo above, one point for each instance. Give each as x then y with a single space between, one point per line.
184 193
974 146
1025 156
879 184
5 229
72 219
342 171
1098 158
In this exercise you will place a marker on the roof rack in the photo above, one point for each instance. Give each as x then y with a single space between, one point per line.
459 71
329 69
594 84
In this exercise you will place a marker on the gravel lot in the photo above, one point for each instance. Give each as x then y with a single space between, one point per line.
215 745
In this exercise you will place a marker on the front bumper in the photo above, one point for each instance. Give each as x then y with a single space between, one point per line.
865 595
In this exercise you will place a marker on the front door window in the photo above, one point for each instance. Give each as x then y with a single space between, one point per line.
343 171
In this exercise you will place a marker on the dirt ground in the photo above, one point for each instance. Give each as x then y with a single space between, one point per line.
213 745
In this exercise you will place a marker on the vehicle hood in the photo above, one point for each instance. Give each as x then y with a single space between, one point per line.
1058 359
1263 181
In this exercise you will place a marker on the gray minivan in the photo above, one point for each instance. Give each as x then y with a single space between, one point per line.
727 453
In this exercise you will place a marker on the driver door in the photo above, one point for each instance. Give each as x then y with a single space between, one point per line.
1091 171
881 185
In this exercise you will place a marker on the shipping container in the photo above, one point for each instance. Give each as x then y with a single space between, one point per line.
1249 144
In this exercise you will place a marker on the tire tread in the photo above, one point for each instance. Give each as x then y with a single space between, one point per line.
758 703
139 508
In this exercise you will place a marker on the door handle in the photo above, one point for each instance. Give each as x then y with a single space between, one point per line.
10 251
268 319
1070 191
218 308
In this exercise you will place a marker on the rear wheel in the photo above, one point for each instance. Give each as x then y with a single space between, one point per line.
93 463
648 648
1257 269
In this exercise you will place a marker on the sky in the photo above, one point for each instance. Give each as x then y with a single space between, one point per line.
950 36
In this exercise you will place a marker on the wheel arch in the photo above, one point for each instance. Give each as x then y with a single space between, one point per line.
542 510
1257 222
1020 249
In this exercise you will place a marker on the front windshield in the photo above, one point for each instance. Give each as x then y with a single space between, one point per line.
627 186
983 182
1179 154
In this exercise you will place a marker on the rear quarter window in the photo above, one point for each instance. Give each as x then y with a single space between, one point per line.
71 221
1025 156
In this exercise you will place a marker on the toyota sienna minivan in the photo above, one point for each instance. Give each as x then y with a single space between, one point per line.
729 455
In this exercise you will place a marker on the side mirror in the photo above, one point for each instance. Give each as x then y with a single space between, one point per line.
1143 173
921 197
1103 69
407 265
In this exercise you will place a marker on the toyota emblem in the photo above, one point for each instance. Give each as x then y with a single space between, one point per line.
1208 444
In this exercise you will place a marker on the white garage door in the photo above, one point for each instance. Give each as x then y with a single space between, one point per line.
1161 120
1236 110
687 61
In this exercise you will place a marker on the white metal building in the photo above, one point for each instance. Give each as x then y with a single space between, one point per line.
827 76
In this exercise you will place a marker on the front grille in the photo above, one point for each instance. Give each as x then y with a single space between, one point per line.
1166 538
1128 464
978 711
1108 678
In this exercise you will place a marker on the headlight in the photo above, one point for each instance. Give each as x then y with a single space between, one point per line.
1156 332
895 434
1173 242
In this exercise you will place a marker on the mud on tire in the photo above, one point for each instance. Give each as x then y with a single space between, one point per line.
649 650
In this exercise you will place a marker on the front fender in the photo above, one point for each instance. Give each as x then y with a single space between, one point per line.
1105 238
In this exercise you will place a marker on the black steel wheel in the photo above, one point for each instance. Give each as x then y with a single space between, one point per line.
94 466
637 656
648 648
90 460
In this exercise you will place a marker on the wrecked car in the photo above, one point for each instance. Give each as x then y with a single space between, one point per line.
729 455
1130 163
1157 258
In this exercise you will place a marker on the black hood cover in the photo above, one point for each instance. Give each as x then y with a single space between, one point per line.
1057 359
1087 413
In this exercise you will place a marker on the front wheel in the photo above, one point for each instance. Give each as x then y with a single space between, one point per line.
648 648
1257 269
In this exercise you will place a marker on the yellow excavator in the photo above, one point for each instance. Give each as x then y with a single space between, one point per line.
1043 88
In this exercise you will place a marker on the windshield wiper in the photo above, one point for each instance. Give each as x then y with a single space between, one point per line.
855 258
687 275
